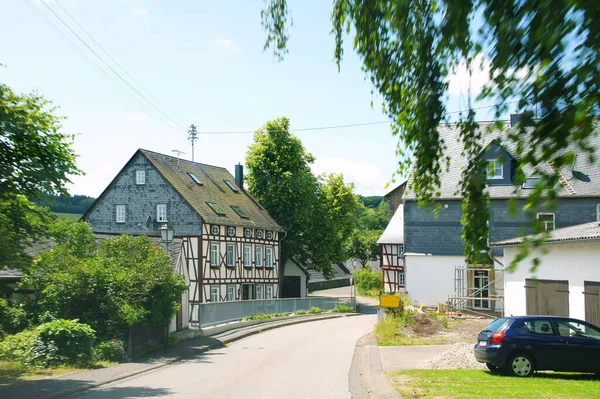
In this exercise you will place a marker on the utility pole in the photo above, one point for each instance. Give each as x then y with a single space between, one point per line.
192 136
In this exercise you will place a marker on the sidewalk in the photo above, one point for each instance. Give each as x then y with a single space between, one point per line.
65 385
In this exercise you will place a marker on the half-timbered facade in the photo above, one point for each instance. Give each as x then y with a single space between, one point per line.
391 253
229 243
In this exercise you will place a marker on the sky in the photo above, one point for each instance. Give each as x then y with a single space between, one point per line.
199 62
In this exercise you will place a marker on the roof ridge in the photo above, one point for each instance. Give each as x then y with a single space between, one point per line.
183 160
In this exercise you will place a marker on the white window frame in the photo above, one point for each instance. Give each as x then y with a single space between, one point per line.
260 291
545 227
215 250
269 257
247 255
598 212
401 279
400 250
269 292
215 293
231 293
258 253
120 213
161 213
230 260
231 231
215 230
140 177
496 162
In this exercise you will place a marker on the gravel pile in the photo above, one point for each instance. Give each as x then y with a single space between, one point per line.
460 356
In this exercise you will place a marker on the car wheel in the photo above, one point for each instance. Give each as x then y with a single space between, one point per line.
493 368
521 365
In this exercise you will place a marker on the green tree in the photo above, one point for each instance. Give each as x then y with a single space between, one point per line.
364 247
35 159
544 57
376 218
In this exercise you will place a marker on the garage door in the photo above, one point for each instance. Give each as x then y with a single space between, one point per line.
291 287
591 292
547 297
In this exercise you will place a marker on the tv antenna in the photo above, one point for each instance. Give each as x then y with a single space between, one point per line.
192 136
178 153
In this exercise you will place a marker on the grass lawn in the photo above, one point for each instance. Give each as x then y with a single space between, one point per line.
13 373
69 215
466 384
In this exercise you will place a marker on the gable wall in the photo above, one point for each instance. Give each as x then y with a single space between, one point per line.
140 201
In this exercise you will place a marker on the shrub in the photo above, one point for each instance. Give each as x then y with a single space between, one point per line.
111 351
368 282
281 314
301 311
63 342
315 309
343 309
16 347
12 319
258 316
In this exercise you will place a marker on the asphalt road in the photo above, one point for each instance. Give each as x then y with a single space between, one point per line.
310 360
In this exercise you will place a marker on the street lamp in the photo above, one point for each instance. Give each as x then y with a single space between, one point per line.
166 234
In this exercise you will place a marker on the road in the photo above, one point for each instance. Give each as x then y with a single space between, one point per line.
309 360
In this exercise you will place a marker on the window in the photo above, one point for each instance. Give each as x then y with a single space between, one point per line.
214 254
260 291
214 230
598 212
231 186
230 255
216 208
575 329
269 256
140 177
401 279
248 233
120 213
546 221
231 231
247 255
195 178
542 327
161 212
214 293
269 235
400 249
259 234
259 256
531 182
494 169
239 211
269 292
231 293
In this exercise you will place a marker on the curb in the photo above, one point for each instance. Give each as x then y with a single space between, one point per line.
201 350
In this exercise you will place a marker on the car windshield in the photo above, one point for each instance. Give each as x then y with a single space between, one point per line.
498 325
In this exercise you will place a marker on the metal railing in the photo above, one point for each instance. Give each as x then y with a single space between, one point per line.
211 314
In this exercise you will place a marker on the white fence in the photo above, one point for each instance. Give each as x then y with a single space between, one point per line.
211 314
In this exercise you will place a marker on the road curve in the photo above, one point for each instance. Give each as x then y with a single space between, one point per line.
310 360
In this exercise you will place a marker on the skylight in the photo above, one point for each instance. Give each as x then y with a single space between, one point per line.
195 178
239 211
232 186
531 182
216 208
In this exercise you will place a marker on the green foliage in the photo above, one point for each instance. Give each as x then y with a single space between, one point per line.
17 347
301 312
36 160
363 245
315 310
74 204
113 350
367 281
373 218
544 59
371 202
12 319
124 281
279 177
258 316
343 309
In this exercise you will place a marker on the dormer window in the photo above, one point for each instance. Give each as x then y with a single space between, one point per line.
495 169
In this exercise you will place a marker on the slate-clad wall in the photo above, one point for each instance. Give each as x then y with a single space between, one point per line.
140 201
442 236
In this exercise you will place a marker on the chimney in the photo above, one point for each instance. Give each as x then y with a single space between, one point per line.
239 176
514 119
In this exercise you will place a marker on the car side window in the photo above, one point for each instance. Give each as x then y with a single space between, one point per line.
542 327
572 328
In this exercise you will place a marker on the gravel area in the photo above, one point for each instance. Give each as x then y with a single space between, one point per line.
460 356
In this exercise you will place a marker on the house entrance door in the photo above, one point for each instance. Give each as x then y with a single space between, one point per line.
481 285
247 291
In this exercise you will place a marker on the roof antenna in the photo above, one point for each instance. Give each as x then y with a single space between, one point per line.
178 153
192 136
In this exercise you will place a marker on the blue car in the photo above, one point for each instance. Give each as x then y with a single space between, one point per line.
524 344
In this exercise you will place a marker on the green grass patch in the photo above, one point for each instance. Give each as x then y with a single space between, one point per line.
12 373
69 215
466 384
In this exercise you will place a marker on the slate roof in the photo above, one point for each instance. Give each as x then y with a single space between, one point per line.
394 232
580 232
451 178
213 189
10 274
353 265
338 274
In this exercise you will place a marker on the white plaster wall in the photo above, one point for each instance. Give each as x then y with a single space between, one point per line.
430 279
291 269
575 262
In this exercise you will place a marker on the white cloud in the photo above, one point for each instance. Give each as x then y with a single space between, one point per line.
459 80
367 177
140 11
227 43
137 116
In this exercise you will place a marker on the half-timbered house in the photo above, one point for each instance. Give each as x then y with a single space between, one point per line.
229 243
391 253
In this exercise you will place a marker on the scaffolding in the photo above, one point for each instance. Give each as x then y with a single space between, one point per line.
477 290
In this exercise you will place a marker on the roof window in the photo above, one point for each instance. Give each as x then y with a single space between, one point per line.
239 211
531 182
195 178
231 186
216 208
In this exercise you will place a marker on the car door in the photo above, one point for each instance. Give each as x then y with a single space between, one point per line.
580 345
539 338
